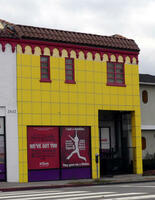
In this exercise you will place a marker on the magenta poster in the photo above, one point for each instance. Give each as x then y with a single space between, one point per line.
75 147
43 147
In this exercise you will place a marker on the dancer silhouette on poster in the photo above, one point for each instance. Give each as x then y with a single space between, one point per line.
76 145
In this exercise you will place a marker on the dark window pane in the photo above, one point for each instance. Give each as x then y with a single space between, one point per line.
69 67
111 69
68 72
44 70
69 77
44 64
119 80
44 59
119 65
111 75
44 76
119 70
69 61
119 76
110 80
111 65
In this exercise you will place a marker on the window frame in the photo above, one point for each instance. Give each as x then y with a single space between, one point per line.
115 83
48 67
145 97
72 70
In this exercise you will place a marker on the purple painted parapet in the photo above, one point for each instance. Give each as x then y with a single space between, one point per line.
76 173
43 175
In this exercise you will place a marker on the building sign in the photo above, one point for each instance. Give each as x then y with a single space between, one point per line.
43 147
75 147
105 138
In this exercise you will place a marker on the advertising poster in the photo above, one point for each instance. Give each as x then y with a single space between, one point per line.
105 138
75 147
43 147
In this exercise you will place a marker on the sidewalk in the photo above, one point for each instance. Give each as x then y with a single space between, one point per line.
117 179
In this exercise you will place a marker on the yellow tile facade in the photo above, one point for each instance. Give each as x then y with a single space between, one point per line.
57 103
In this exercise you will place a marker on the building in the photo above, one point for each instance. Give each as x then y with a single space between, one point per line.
77 98
147 96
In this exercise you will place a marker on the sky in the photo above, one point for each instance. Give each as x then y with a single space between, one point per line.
134 19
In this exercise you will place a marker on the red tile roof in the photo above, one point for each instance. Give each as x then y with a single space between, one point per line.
53 35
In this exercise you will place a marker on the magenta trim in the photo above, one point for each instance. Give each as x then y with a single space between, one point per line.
77 48
116 84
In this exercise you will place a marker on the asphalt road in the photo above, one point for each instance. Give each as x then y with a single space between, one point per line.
101 192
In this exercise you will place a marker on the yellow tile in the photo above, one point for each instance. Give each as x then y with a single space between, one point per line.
26 72
26 95
36 95
35 73
19 95
19 58
45 96
26 60
36 119
64 109
26 84
35 60
20 143
46 108
89 98
46 120
26 107
35 84
27 119
55 98
73 109
19 83
36 107
19 71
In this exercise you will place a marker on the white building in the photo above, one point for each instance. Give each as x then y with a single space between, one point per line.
9 169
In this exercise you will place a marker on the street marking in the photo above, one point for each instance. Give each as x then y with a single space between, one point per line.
123 194
135 197
74 195
40 194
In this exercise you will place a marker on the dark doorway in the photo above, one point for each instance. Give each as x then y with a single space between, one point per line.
116 150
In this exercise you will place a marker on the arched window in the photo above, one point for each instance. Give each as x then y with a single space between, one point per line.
143 143
144 96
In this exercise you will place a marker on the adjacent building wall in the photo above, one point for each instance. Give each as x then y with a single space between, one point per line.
8 109
148 120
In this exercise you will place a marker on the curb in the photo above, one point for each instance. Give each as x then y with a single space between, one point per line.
69 185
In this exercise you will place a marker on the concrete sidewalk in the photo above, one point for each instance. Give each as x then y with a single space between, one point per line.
117 179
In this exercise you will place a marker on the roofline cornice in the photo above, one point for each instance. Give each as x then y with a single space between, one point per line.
60 46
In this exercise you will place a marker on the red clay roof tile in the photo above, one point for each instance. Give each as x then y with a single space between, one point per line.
52 35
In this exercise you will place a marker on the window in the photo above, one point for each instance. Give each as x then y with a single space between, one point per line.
115 74
69 70
145 96
45 69
143 143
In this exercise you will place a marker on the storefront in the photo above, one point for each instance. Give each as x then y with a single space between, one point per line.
2 151
58 153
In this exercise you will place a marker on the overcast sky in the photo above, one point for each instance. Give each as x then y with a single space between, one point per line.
131 18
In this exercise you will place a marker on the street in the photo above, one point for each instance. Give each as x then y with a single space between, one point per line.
109 192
